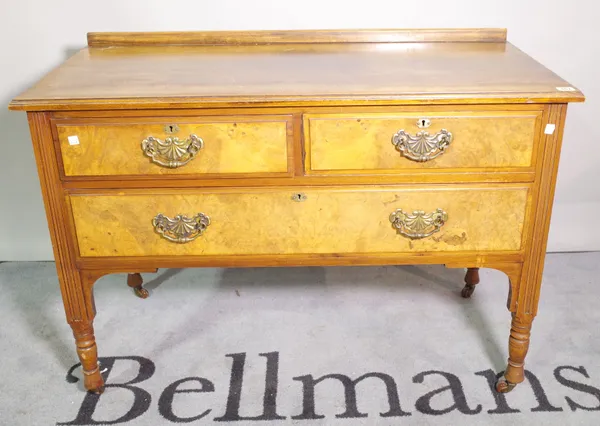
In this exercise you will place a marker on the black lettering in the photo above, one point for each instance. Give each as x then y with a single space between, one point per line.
141 400
538 391
165 402
581 387
423 404
502 406
232 411
309 383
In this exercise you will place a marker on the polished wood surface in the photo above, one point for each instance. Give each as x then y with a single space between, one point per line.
329 220
85 341
298 167
132 76
430 35
362 143
232 145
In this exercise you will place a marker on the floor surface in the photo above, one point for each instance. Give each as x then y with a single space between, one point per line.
311 346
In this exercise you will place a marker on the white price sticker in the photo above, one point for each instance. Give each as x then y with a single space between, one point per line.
73 140
566 89
550 129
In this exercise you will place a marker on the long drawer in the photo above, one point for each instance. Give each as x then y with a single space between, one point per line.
301 220
379 143
228 145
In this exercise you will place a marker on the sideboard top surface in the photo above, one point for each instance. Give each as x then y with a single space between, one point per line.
353 67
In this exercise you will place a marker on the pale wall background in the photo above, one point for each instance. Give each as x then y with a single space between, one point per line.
36 36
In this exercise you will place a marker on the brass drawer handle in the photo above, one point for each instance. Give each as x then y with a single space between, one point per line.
422 147
180 229
172 152
418 224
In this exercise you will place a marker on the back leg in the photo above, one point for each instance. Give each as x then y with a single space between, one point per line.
135 281
471 280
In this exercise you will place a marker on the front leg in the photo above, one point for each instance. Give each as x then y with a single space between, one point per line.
81 321
518 344
75 284
525 290
88 355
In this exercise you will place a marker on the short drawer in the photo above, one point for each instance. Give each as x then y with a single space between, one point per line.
175 146
395 142
300 220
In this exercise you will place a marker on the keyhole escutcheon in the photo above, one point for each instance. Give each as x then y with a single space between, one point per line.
298 197
171 128
423 123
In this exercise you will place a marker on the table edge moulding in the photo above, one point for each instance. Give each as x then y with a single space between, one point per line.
378 147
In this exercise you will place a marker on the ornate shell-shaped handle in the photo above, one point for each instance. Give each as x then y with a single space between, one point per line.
422 147
418 224
172 152
180 229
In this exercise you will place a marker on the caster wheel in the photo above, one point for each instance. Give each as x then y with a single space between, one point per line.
504 386
97 391
467 291
141 292
135 281
93 383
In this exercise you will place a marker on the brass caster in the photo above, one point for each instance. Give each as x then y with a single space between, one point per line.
93 382
141 292
97 391
467 291
504 386
135 281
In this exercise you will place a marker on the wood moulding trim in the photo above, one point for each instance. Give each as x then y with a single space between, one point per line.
475 259
452 176
220 38
544 193
71 282
119 115
444 99
331 188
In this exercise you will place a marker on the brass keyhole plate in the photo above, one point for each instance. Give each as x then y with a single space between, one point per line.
423 123
171 128
298 197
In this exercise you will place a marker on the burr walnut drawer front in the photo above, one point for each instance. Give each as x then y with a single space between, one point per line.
168 146
420 141
301 220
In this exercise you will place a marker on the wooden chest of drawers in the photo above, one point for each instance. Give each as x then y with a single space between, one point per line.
298 148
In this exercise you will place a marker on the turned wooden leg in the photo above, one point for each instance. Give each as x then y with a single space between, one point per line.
88 355
471 280
135 281
518 344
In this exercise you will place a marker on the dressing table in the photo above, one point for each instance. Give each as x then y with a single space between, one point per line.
293 148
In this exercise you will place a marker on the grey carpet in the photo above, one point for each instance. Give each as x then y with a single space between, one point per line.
407 324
